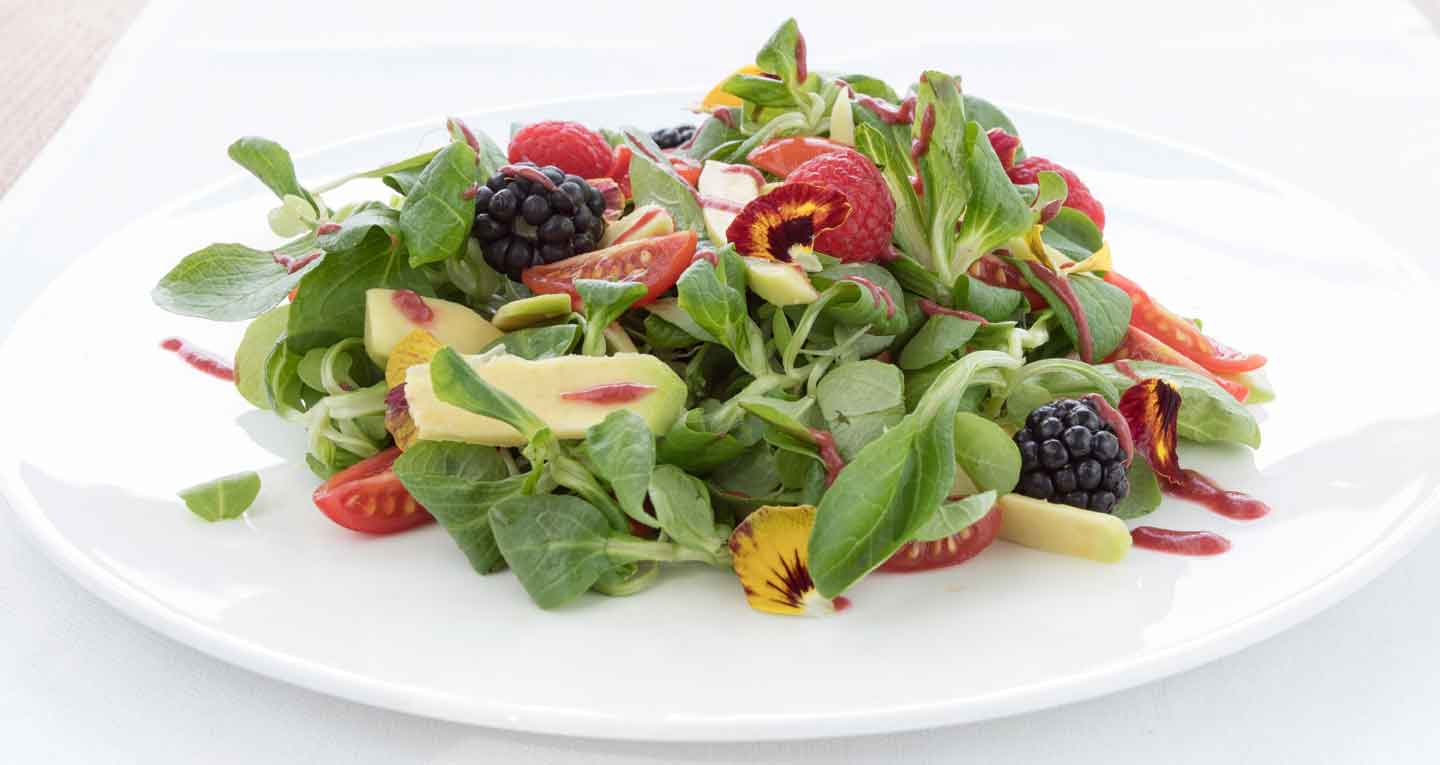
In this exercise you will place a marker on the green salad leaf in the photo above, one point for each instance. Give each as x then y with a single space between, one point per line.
954 516
456 383
1145 494
555 544
1207 412
230 282
271 164
986 453
621 451
459 484
682 507
223 498
440 209
604 302
860 401
330 303
255 347
939 337
537 343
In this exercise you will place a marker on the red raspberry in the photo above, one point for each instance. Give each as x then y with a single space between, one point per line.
865 235
1005 146
570 146
1028 169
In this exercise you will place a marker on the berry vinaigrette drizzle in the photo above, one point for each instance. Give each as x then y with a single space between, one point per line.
200 360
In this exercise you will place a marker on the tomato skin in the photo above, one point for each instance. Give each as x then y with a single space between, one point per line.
783 155
685 167
1139 345
1181 335
668 257
951 551
368 497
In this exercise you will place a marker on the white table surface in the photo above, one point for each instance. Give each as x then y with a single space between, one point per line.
1341 96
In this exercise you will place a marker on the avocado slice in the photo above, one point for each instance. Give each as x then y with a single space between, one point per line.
570 393
779 283
527 312
390 315
1063 529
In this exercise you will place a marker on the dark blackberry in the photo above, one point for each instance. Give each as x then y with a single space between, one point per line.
673 137
526 216
1069 454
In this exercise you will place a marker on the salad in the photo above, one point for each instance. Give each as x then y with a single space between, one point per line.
833 328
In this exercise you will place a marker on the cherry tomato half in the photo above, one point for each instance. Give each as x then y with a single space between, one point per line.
368 497
657 263
1139 345
782 155
1182 335
950 551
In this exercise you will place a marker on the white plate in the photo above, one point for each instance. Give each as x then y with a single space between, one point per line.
102 427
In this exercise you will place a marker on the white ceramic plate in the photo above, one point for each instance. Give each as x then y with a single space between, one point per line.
102 427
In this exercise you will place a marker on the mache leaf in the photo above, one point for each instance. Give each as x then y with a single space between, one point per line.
440 208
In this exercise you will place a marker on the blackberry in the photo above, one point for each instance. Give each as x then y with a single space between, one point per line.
1069 454
528 216
673 137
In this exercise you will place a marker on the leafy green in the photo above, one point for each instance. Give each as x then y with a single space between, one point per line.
986 453
271 164
895 485
780 54
654 181
1145 495
228 282
995 212
358 225
990 117
604 302
440 209
792 417
555 544
330 303
459 484
939 337
537 343
1106 307
719 309
255 347
223 498
859 305
1207 412
621 450
992 303
859 401
669 309
955 516
1073 233
682 506
407 169
692 445
456 383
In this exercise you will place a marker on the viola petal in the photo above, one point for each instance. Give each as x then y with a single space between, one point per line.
1151 408
770 551
783 223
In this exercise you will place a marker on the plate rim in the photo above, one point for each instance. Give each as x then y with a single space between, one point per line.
1399 539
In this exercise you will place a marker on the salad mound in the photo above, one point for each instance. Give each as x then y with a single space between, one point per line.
831 328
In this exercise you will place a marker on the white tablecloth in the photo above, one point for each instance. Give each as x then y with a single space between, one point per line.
1342 96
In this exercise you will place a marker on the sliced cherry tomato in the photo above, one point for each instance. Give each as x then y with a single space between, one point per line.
950 551
1139 345
687 168
996 273
657 263
1182 335
782 155
368 497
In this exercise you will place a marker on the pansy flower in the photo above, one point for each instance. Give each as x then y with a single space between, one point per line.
782 225
770 550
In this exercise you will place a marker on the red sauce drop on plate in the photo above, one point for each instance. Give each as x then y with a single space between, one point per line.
610 393
841 603
200 360
412 306
1203 490
1179 542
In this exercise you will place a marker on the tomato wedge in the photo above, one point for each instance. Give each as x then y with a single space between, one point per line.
950 551
1139 345
687 168
782 155
657 263
368 497
1181 335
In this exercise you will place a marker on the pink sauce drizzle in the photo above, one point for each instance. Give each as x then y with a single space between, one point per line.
716 203
412 306
888 114
931 308
880 294
746 170
292 265
201 360
921 145
802 71
1202 490
829 455
327 228
1062 290
725 116
528 173
456 125
610 393
841 603
470 192
1179 542
640 223
1124 368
